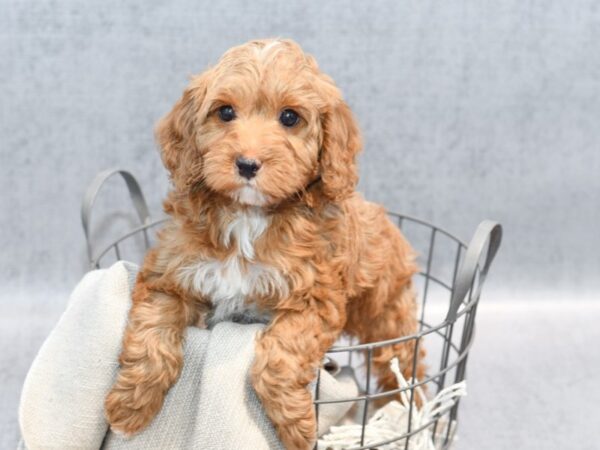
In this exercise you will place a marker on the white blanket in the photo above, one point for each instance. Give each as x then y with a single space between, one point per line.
212 405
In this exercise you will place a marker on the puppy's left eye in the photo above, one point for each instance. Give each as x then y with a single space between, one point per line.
226 113
289 118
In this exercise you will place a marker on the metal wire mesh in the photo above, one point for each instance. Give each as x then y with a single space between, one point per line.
450 282
447 339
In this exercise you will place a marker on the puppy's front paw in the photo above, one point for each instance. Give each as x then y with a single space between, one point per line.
128 415
298 436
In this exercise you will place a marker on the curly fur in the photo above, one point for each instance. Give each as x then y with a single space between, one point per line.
295 244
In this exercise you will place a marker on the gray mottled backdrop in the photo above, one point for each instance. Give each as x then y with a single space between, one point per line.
469 109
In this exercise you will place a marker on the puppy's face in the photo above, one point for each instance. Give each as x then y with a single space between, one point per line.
261 126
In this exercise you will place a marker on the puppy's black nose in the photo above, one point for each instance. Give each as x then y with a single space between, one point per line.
247 168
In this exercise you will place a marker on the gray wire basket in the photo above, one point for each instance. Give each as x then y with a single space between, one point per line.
450 287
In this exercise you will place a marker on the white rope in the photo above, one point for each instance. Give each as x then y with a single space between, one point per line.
391 420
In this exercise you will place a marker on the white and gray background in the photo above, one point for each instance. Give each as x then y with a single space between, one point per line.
470 110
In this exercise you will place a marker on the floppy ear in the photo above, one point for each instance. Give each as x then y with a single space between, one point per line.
176 133
341 144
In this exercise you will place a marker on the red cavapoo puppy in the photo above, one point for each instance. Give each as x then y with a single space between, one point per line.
266 226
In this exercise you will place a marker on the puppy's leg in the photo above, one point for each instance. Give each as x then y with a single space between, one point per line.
288 354
384 315
151 358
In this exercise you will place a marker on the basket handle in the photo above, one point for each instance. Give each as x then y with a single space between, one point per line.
490 233
135 192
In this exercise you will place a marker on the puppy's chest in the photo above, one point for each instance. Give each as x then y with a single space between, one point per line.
234 283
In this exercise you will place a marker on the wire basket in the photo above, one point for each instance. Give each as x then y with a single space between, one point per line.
449 289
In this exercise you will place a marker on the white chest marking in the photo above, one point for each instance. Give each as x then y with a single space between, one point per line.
231 283
246 227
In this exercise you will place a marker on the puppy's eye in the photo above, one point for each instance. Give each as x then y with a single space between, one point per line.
289 118
226 113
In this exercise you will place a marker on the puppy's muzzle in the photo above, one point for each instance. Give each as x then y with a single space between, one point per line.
247 168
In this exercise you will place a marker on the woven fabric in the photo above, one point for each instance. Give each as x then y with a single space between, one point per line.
212 405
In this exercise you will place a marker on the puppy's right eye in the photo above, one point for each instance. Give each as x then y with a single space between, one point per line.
226 113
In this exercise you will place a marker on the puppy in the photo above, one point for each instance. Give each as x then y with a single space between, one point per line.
265 224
